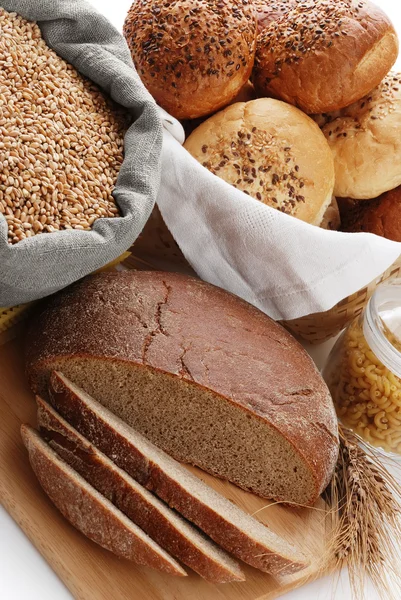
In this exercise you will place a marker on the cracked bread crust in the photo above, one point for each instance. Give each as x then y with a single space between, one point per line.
202 335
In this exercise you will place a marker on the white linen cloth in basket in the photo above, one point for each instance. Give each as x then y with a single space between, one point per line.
280 264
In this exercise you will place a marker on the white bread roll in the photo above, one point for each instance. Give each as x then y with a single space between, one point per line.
331 218
271 151
365 140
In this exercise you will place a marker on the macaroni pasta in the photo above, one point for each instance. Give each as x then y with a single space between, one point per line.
366 394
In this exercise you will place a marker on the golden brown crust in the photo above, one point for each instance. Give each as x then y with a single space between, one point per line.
268 11
381 216
322 56
366 143
246 94
271 151
193 57
89 512
162 321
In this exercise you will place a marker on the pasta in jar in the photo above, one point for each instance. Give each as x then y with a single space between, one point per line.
365 390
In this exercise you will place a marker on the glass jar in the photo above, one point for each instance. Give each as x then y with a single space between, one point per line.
363 371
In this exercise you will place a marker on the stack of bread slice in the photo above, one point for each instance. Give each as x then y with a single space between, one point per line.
133 499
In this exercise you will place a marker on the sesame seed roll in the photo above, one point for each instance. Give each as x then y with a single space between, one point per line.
366 143
194 57
272 151
325 54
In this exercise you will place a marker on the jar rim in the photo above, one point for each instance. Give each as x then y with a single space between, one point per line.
373 326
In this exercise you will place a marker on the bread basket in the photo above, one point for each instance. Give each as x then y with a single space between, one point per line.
320 327
156 249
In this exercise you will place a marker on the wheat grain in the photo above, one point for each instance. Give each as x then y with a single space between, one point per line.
61 139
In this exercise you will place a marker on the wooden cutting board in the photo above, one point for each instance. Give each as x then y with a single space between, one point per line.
93 573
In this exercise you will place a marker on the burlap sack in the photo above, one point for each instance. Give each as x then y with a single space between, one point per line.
43 264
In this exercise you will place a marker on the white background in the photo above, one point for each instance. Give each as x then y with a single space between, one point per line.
24 575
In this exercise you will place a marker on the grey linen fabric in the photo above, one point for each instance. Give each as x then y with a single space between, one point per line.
43 264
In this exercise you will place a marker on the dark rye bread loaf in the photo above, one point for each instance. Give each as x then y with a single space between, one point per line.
173 533
204 375
229 526
90 512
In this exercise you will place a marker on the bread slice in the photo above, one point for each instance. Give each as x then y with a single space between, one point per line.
230 527
90 512
163 525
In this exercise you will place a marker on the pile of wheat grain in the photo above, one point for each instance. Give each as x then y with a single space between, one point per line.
61 140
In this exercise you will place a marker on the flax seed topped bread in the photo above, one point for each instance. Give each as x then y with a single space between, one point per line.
271 151
194 57
325 54
204 375
268 11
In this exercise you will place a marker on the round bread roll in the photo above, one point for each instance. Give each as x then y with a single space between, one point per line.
268 11
365 139
325 54
271 151
193 57
381 216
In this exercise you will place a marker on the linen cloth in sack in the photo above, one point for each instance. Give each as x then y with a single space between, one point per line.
285 267
43 264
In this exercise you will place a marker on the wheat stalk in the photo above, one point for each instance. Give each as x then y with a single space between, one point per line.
365 519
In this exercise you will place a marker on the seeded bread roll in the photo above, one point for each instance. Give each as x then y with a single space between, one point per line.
246 93
204 375
324 55
268 11
271 151
193 57
381 216
365 139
